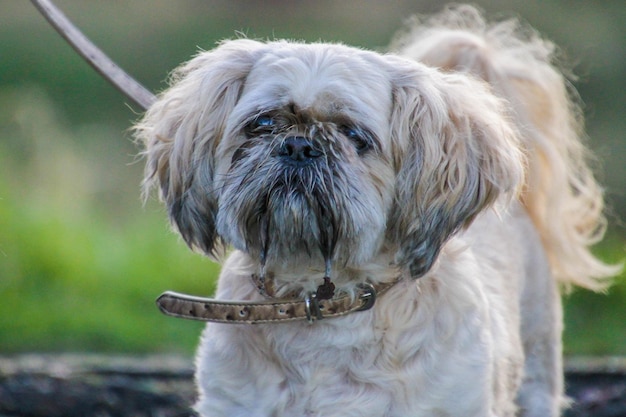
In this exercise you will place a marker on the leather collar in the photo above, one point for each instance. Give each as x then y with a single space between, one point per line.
282 310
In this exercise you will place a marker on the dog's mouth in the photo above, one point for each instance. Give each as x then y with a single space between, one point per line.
289 203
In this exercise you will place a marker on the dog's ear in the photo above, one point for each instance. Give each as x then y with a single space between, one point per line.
454 152
181 131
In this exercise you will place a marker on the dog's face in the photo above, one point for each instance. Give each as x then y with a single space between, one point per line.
310 154
303 171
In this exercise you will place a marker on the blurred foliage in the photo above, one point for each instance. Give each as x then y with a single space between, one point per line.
78 271
81 260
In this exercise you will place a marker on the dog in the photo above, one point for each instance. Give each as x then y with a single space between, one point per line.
450 171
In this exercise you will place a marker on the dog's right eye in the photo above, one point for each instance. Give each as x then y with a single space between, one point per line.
261 124
264 121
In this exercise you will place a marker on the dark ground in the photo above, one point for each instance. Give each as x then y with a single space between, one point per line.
162 386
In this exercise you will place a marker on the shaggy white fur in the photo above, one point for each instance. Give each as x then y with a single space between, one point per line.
316 160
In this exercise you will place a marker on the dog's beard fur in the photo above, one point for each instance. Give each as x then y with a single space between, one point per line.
318 211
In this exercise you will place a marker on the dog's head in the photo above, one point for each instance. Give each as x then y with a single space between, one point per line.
310 153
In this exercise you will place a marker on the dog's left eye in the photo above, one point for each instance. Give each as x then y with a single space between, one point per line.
357 136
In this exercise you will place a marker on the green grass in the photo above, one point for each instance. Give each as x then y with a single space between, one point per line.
79 270
595 323
72 281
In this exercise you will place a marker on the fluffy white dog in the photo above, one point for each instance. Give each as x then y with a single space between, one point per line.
447 176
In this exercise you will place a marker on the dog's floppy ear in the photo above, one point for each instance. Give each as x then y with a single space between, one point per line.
454 153
182 130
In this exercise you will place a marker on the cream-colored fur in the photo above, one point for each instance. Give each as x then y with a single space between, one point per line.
316 159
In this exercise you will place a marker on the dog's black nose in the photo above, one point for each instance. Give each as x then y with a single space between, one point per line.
298 149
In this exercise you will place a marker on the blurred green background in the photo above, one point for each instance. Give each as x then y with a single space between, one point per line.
82 260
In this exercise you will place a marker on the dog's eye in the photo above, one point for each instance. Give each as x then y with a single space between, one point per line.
264 123
357 136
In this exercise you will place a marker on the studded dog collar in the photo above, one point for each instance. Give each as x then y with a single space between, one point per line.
311 308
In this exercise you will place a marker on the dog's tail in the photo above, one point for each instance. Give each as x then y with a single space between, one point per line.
560 193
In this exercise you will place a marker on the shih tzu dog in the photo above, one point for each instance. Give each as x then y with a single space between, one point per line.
447 178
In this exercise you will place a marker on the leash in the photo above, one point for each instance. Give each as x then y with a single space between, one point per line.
94 56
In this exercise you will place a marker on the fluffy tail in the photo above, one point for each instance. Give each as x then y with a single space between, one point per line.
560 193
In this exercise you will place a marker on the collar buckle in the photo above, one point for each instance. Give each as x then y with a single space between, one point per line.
312 308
